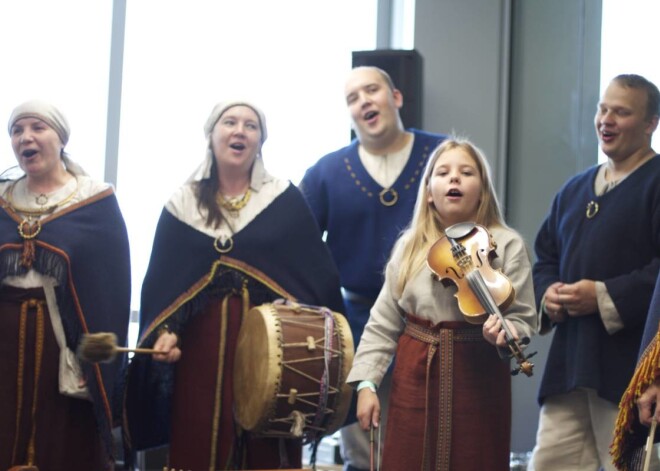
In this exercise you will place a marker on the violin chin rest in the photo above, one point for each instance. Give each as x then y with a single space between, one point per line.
460 230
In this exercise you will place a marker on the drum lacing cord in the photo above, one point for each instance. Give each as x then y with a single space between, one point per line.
39 347
329 333
324 383
313 435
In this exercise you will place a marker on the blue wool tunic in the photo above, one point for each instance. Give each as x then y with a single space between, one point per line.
361 230
620 246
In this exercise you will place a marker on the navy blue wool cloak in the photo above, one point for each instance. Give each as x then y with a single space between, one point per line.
280 254
85 248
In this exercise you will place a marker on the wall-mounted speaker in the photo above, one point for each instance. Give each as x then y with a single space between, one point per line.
405 68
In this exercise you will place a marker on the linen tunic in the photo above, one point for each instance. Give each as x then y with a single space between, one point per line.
429 299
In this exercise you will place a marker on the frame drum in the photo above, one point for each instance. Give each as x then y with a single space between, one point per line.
290 371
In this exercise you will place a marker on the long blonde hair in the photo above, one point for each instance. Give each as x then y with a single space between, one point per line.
425 227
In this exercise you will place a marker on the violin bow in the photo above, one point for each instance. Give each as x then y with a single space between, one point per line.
371 447
649 446
374 448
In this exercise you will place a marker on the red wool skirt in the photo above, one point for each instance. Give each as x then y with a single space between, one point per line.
38 425
450 403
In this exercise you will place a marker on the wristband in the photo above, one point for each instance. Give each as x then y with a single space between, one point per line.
366 384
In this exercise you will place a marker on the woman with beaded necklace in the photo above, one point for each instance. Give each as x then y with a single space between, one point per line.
230 238
64 271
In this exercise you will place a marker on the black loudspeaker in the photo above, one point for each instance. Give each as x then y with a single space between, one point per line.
405 68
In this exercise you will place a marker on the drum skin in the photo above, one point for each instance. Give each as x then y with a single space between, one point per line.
278 371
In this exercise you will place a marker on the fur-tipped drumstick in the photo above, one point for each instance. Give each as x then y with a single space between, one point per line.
102 348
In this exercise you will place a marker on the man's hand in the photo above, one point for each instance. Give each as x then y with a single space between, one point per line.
578 299
553 306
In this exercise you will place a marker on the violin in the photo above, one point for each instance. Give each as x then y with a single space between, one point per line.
463 257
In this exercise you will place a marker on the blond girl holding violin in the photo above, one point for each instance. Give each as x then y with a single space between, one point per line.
450 405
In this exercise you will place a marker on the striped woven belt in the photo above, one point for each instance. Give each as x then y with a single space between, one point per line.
441 341
432 336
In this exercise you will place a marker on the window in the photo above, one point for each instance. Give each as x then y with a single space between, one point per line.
629 44
49 53
182 57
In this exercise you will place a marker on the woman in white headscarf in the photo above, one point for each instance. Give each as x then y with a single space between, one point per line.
231 237
64 271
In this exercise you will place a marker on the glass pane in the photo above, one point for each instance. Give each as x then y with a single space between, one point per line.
290 57
59 52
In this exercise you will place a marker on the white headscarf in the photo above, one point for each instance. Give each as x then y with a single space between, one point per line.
54 118
204 170
46 113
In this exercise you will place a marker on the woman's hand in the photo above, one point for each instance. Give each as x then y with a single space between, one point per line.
167 344
368 409
647 404
493 332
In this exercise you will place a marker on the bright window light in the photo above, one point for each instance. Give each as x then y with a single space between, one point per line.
58 51
629 44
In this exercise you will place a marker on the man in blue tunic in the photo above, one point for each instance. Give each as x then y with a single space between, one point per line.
363 196
598 258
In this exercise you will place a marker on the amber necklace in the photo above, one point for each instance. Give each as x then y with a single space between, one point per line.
32 212
233 205
30 225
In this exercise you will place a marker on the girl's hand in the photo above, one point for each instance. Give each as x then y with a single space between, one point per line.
493 332
167 344
368 409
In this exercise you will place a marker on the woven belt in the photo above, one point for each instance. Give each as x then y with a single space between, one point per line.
440 339
432 336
